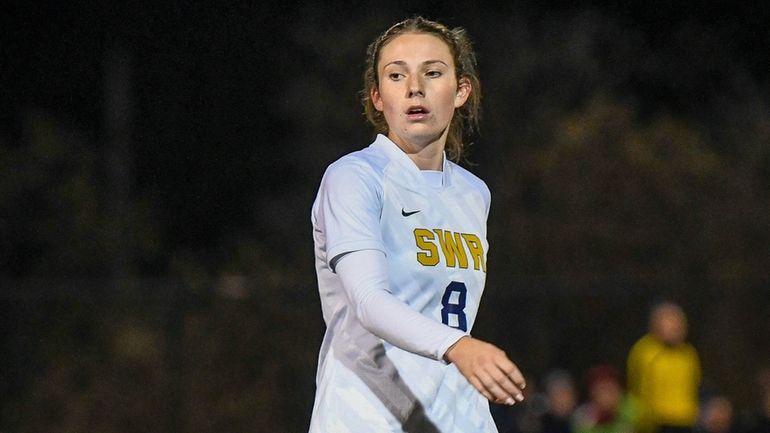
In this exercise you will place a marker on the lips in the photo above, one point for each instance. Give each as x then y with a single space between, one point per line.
417 112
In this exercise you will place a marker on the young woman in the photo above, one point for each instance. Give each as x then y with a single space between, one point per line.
401 249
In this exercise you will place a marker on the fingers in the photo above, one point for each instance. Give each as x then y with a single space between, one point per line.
501 386
481 388
513 373
489 370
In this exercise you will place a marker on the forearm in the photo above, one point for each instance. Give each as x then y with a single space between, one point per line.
365 279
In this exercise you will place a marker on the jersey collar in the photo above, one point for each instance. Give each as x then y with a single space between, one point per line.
413 177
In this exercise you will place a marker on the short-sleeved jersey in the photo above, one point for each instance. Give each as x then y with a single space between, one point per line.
436 248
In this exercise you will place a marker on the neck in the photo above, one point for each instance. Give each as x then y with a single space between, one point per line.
426 156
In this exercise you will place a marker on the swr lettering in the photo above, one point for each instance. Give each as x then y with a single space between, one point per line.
457 249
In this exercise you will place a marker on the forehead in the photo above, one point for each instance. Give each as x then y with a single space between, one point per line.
415 47
668 312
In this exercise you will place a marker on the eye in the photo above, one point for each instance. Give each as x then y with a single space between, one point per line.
433 74
395 76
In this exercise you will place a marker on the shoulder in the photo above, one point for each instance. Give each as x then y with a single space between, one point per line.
645 345
462 174
648 340
583 418
690 350
351 185
466 179
366 165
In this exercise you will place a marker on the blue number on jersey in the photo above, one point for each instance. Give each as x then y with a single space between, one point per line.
454 306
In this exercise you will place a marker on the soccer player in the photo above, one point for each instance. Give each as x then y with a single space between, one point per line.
401 250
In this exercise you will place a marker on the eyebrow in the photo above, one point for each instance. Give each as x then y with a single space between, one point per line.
403 63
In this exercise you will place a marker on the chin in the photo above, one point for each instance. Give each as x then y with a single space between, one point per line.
424 136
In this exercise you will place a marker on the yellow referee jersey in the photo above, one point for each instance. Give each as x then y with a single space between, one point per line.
665 381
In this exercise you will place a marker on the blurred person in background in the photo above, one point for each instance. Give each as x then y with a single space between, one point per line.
664 373
716 415
521 418
759 421
560 402
609 409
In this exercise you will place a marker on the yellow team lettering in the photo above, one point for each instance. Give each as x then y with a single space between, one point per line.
477 251
422 238
454 247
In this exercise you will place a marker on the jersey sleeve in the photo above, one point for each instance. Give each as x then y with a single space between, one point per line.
364 278
487 198
348 210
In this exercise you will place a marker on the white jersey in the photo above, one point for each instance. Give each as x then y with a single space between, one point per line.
436 248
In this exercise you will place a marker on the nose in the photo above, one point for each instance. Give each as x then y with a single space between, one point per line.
415 87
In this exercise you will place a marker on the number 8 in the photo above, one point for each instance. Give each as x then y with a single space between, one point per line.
456 308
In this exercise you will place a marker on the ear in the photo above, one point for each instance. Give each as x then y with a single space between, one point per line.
374 95
464 89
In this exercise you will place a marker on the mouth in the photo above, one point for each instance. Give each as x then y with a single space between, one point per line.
417 112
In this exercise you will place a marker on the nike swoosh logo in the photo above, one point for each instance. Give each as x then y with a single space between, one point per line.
406 214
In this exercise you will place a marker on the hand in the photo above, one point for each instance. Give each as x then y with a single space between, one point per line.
488 369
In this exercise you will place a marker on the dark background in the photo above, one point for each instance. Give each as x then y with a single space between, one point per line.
158 163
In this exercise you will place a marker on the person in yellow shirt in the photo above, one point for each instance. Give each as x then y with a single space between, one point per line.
664 372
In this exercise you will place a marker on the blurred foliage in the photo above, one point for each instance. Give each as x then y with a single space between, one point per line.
50 203
611 195
628 158
53 205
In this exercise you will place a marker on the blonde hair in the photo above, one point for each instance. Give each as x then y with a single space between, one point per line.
466 118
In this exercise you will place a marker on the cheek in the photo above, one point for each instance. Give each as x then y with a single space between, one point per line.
391 109
384 103
449 99
391 114
449 105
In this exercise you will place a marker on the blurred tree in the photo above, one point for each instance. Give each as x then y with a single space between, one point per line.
52 204
623 165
